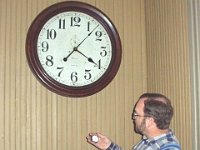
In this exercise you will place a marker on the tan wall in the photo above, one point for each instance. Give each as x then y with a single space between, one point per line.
33 118
168 60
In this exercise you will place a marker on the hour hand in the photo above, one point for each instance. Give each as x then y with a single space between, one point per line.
88 58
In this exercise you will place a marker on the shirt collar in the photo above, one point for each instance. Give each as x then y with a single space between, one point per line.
169 133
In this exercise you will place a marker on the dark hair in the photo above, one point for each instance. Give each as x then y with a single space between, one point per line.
158 107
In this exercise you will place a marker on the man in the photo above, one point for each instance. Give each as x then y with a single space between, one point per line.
151 117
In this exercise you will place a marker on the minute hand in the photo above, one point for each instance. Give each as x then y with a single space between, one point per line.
86 37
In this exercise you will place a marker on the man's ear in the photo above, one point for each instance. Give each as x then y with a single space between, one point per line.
150 122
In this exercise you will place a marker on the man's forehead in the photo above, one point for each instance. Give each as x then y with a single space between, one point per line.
139 105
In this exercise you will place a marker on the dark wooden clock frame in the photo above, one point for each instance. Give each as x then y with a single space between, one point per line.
44 78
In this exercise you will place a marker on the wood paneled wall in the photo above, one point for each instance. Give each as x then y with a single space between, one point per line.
168 60
33 118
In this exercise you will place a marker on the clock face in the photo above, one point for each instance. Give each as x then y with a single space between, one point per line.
74 48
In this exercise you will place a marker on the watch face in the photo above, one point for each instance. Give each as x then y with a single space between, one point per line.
74 48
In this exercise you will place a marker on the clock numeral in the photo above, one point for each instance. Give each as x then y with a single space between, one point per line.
62 24
98 35
98 64
74 77
103 53
49 60
51 34
60 70
88 26
45 46
87 75
75 21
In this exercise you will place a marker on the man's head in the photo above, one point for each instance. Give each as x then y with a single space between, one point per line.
152 111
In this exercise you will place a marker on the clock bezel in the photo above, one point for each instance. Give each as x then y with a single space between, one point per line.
49 82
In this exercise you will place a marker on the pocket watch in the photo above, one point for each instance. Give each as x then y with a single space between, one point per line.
73 49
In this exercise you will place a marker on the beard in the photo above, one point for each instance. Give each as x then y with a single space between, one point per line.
139 128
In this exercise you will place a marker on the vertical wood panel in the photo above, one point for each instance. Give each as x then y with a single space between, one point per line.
194 39
168 60
2 73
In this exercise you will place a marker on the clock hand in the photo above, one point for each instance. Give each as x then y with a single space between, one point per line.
88 58
76 48
86 37
65 58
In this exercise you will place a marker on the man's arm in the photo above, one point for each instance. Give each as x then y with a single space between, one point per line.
113 146
102 143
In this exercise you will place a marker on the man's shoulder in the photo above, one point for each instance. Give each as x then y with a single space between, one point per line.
169 142
170 146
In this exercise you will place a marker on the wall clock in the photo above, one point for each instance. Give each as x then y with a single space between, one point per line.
73 49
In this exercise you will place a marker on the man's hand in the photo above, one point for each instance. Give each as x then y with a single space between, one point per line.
103 142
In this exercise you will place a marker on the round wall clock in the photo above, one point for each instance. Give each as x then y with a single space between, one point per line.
73 49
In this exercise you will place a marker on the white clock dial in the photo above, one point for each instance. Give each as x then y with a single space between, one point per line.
74 48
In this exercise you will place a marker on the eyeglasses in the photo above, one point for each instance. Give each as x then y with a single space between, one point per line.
135 115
